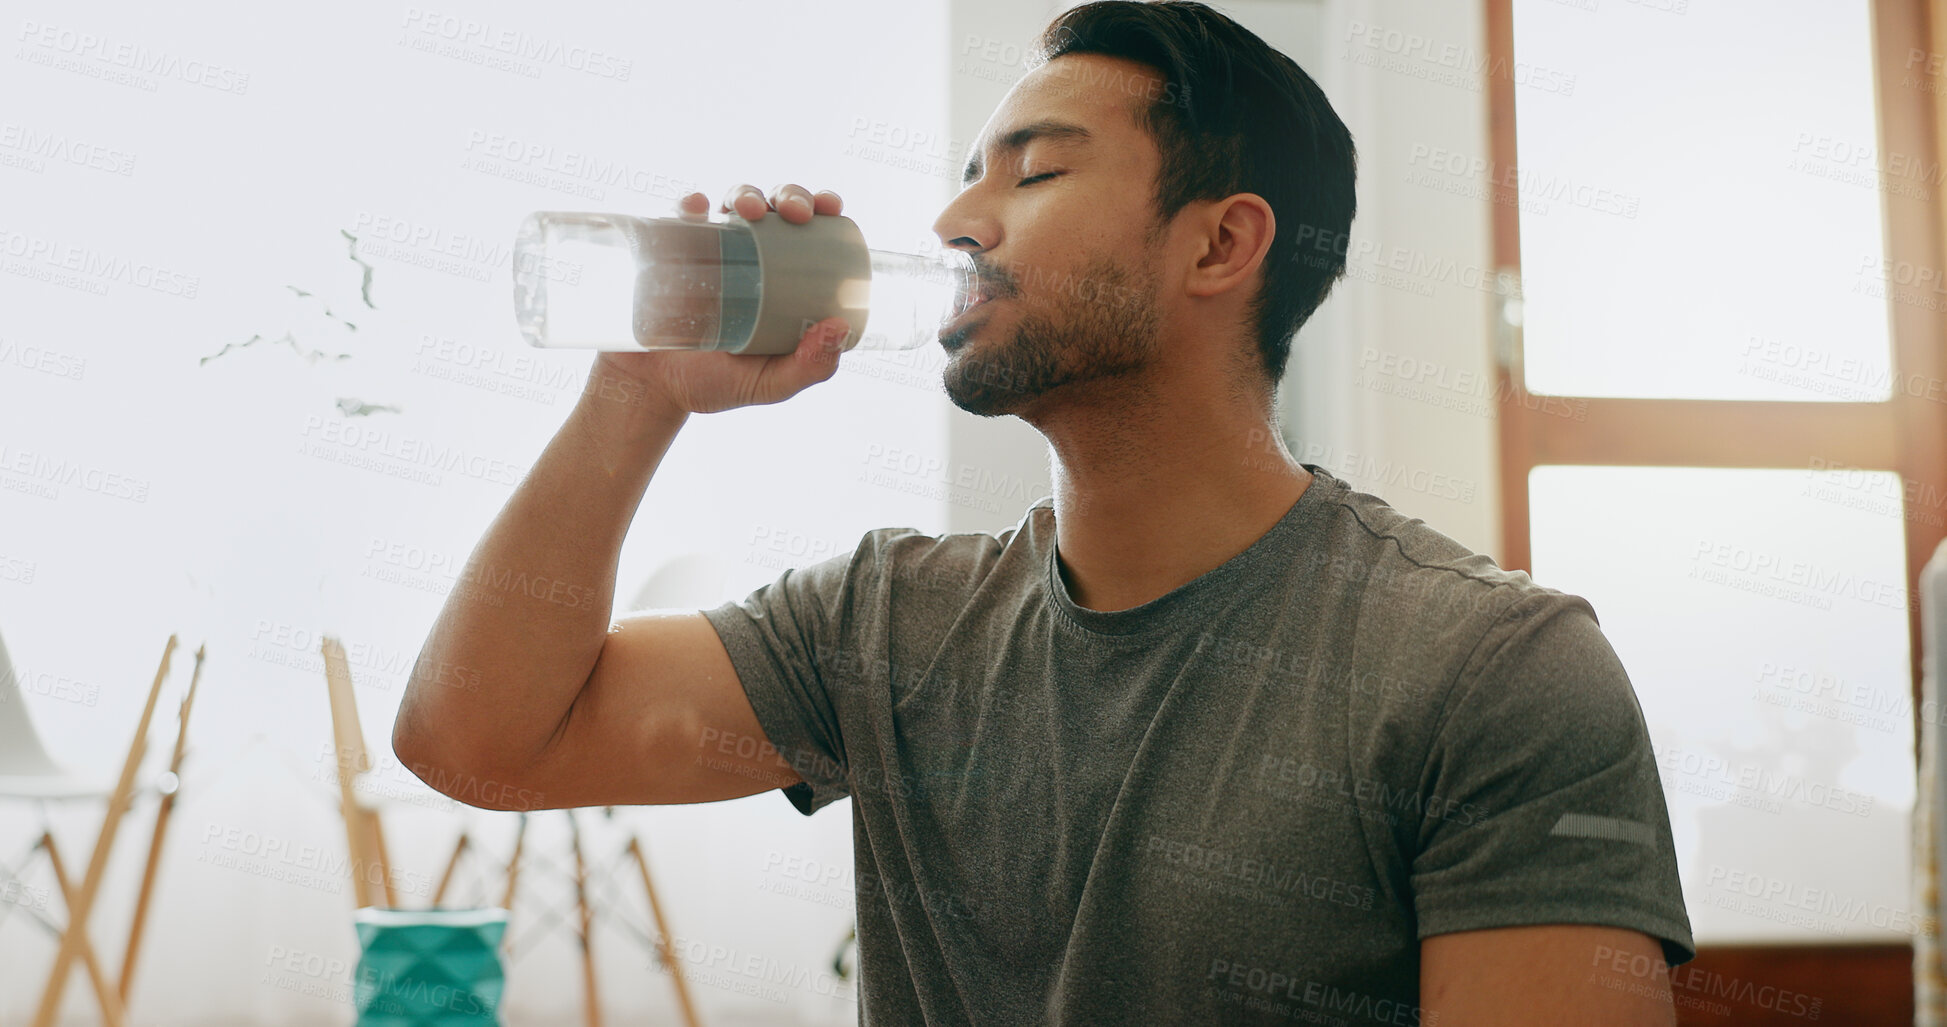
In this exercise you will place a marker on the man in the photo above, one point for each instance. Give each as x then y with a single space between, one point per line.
1207 736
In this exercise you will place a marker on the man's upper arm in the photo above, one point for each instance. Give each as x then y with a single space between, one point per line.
661 719
793 643
697 706
1543 976
1543 803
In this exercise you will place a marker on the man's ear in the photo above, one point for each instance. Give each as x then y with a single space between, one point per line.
1237 233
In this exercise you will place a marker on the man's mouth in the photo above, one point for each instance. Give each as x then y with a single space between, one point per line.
969 303
976 294
969 298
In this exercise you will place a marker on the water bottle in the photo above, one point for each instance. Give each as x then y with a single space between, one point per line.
618 282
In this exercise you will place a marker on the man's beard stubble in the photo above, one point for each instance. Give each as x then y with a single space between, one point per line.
1103 324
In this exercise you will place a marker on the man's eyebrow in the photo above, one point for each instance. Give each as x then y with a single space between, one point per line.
1020 137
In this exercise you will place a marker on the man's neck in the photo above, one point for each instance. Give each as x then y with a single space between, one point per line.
1157 488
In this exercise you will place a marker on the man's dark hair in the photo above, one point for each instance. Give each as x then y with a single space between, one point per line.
1235 116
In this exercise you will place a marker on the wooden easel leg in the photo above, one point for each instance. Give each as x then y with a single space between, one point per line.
452 864
363 842
513 875
514 864
112 1011
385 861
155 840
83 902
594 1009
662 940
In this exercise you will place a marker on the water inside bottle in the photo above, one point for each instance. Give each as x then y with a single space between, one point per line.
612 282
699 286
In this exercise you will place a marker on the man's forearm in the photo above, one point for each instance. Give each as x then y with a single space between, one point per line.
525 622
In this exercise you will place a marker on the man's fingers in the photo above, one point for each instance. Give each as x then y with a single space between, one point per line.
793 201
695 207
746 201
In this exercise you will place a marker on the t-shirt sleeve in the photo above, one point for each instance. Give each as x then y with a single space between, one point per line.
1543 737
781 639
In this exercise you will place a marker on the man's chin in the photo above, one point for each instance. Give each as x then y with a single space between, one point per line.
981 400
980 384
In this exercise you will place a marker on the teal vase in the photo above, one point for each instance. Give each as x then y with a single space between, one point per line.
428 967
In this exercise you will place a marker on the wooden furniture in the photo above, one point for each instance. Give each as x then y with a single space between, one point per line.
371 867
29 772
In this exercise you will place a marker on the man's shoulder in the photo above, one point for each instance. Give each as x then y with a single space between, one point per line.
1417 605
1397 562
958 559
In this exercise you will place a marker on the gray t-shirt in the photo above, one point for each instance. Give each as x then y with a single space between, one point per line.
1246 800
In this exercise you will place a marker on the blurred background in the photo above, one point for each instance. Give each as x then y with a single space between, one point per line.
1643 296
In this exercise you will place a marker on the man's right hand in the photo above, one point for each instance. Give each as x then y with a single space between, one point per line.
707 382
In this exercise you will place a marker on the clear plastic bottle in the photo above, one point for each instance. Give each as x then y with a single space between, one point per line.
619 282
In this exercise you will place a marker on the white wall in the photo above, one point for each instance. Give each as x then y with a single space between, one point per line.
263 521
1428 452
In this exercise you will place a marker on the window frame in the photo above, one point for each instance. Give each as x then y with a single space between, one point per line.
1906 434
